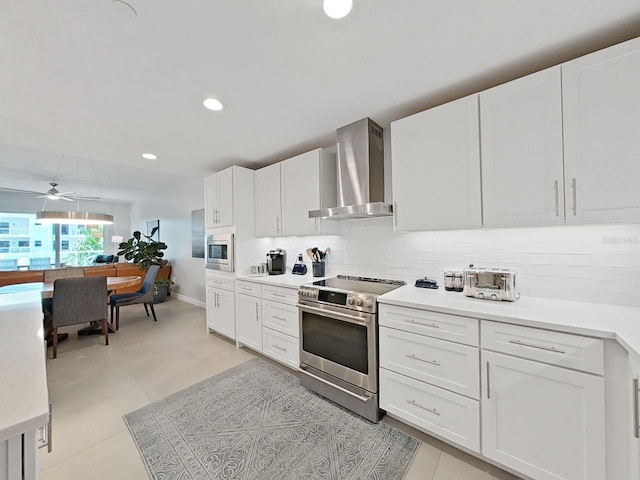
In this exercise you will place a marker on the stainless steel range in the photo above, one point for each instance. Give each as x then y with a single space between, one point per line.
339 340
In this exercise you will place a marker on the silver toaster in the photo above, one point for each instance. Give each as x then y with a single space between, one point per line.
490 283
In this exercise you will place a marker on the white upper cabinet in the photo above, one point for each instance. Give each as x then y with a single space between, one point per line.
226 196
521 145
601 108
308 183
436 168
286 191
268 212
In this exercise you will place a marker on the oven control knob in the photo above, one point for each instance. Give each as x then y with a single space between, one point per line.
350 301
359 302
368 303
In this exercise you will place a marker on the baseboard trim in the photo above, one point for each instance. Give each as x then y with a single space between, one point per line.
190 300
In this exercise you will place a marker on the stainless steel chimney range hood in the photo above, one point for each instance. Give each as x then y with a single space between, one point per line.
360 173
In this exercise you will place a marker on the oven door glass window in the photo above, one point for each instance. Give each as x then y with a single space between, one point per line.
341 342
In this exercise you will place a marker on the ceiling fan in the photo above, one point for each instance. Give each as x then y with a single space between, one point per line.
53 194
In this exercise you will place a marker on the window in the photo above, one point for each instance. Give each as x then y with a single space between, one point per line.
80 245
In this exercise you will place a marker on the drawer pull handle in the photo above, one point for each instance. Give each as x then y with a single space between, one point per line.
278 295
247 288
415 357
539 347
432 325
636 408
284 349
278 318
416 404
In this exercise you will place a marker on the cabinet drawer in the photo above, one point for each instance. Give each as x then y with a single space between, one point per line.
433 324
280 294
282 348
563 349
225 283
280 317
431 409
444 364
248 288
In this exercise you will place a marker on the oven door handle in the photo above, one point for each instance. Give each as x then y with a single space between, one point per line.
343 390
333 314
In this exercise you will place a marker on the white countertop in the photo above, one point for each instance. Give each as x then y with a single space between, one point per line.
24 397
284 280
582 318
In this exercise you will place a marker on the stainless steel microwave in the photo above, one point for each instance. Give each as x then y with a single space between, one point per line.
220 252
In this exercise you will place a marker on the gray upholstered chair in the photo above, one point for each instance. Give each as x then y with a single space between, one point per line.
79 300
51 276
144 296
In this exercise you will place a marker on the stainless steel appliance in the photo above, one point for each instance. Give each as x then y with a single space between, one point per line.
490 283
276 261
220 252
339 340
360 169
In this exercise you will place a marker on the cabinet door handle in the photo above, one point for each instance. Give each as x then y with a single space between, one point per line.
432 325
395 213
416 404
415 357
636 408
574 196
555 188
488 382
539 347
284 349
277 224
316 226
257 312
216 301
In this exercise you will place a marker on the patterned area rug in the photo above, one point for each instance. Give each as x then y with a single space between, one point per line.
255 421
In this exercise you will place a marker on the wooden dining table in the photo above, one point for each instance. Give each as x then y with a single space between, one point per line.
113 283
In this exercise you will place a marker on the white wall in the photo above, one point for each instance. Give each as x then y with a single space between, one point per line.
172 203
599 263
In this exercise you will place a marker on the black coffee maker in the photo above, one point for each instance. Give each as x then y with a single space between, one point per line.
276 261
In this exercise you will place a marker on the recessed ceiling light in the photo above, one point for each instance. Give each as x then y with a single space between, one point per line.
213 104
337 8
149 156
124 9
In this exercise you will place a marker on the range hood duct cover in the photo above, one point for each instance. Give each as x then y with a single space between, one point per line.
360 172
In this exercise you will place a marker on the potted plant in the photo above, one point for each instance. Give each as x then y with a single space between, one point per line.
161 289
143 251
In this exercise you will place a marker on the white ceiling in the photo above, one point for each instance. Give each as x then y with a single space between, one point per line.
77 78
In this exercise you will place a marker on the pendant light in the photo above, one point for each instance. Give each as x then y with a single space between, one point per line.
76 217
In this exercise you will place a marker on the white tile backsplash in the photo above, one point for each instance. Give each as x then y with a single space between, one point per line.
584 263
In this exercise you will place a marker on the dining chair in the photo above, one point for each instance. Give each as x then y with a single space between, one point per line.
50 276
79 300
144 296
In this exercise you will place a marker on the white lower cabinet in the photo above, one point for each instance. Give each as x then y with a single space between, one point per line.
436 410
280 330
281 347
221 316
427 380
248 321
541 420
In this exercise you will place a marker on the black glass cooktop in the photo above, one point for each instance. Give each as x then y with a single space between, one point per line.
372 286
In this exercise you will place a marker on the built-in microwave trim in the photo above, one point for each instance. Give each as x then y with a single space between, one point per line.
224 264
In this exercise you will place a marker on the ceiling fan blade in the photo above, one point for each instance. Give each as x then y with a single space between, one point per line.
18 190
64 194
66 199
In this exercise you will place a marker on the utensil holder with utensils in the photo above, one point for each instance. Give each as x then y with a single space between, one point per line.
318 269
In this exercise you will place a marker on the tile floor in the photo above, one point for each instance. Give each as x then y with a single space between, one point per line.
93 386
